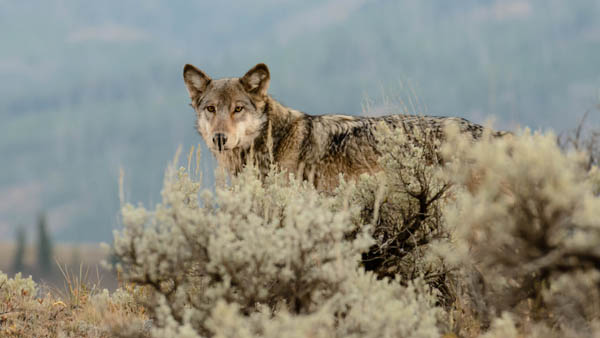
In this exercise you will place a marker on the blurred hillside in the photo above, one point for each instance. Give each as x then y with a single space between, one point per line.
91 87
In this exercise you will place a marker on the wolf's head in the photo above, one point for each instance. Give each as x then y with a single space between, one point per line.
230 111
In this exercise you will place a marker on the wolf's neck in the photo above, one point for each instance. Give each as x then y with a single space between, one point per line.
280 114
278 128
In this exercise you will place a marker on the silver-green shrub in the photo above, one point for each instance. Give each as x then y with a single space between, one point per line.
260 257
403 204
364 307
503 232
527 225
25 289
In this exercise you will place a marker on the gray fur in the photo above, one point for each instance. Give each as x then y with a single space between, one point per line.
316 148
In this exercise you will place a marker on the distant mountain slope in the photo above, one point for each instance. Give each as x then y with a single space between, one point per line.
88 88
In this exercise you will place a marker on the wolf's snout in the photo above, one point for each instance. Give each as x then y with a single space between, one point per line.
219 140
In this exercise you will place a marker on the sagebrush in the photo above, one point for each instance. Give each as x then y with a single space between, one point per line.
494 237
261 254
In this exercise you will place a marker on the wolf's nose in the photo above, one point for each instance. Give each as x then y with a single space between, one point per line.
219 140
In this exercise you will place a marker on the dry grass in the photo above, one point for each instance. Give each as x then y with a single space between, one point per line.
89 255
80 310
71 301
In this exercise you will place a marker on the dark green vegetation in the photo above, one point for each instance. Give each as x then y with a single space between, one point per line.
44 247
19 253
91 87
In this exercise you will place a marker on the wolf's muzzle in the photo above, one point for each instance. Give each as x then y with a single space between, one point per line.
219 139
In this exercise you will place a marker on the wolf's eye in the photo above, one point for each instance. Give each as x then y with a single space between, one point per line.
210 109
238 109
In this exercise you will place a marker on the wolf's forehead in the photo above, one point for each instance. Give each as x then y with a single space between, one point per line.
225 90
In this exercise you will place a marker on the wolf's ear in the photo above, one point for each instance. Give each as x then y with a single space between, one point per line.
257 79
195 80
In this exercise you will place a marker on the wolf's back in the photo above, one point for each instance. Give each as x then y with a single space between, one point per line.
437 125
434 126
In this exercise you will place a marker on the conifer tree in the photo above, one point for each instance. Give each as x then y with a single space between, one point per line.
17 265
44 253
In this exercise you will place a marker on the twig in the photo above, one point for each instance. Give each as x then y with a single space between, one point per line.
11 311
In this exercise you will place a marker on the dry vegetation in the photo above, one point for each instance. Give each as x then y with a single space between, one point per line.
500 240
88 255
81 310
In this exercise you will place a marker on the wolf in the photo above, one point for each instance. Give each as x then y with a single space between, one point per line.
241 124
